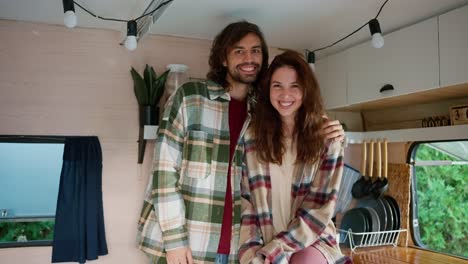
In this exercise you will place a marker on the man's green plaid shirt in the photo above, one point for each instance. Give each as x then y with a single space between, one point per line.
184 200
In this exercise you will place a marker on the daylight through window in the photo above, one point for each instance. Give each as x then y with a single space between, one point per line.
29 180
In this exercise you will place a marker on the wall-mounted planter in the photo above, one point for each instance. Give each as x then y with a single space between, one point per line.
148 89
149 115
149 118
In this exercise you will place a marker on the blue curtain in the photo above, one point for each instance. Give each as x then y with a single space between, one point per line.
79 233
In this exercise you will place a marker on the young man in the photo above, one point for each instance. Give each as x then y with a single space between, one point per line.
191 212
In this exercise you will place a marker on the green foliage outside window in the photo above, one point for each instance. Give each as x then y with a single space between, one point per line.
26 231
442 203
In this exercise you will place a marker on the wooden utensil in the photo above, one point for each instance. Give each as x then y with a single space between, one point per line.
380 186
385 158
368 188
358 187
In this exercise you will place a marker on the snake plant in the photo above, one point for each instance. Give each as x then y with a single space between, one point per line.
149 88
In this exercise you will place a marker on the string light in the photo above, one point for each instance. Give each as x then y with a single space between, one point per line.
377 39
131 42
70 20
311 59
374 26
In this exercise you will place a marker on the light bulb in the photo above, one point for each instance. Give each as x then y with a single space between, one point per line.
377 41
310 55
131 43
70 19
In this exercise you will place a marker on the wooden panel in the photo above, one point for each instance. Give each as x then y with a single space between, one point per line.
399 182
352 121
409 116
428 96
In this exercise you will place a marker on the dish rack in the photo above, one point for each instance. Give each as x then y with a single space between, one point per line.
371 239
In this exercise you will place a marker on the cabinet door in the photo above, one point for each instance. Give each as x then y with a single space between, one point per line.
408 61
331 74
453 42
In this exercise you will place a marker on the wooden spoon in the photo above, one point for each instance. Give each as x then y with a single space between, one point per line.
368 188
358 187
380 186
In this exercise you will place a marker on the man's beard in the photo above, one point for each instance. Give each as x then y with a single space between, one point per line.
244 78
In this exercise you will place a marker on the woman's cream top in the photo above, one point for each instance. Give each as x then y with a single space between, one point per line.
281 184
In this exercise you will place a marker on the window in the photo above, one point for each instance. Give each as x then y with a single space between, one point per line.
29 180
439 202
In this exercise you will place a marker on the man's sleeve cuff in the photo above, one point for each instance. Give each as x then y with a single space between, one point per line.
175 238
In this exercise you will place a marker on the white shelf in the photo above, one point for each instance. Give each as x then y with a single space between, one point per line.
414 134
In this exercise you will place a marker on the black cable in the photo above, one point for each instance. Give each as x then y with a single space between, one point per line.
381 9
349 35
124 20
336 42
94 15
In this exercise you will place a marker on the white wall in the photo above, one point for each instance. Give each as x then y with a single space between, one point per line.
56 81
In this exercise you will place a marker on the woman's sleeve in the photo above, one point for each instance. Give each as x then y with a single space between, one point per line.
250 240
315 212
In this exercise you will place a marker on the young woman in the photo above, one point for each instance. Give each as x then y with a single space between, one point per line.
292 172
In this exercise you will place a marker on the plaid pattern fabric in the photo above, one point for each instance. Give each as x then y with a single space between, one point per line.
184 200
314 194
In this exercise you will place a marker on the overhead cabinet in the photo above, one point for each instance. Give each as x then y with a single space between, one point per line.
428 55
408 62
453 37
331 74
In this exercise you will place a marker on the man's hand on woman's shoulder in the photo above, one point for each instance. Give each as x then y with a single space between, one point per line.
332 130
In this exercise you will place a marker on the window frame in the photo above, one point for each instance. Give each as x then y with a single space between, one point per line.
414 225
39 140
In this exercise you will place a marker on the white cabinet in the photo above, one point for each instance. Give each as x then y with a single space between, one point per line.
408 61
331 73
453 37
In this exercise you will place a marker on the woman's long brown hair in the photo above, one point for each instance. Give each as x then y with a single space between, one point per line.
267 124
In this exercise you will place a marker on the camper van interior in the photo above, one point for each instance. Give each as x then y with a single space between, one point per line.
401 96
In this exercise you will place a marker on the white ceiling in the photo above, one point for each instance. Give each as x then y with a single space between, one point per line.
296 24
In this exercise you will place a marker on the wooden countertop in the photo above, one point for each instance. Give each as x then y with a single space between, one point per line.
400 255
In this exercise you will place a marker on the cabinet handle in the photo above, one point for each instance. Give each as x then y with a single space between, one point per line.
387 87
